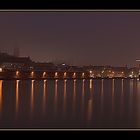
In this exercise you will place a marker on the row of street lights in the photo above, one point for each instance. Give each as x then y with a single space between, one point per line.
44 75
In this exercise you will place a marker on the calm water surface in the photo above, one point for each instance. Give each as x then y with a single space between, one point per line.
110 103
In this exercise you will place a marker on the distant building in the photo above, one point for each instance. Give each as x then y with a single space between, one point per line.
13 62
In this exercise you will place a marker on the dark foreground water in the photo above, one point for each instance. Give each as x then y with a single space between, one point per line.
70 104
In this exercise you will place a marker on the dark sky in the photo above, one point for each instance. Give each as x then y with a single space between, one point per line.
79 38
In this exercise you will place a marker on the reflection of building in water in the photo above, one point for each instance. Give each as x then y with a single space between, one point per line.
17 96
1 84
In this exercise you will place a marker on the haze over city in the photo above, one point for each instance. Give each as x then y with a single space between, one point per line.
79 38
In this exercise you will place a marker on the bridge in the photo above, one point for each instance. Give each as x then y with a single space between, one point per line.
43 75
12 74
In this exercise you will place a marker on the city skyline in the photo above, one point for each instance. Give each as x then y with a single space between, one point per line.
79 38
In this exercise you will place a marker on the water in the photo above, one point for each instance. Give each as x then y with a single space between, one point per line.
108 103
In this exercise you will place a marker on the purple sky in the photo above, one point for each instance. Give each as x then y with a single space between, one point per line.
79 38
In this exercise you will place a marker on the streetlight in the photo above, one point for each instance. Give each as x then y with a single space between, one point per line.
32 74
0 69
65 74
44 74
17 73
83 74
74 75
56 74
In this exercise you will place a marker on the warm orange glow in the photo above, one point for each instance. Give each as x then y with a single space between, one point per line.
102 95
74 74
32 74
83 92
65 93
17 73
74 97
56 86
90 83
90 71
44 95
122 97
44 74
56 74
32 95
65 74
113 95
83 74
0 69
17 95
55 96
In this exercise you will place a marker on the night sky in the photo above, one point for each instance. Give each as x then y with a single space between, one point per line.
78 38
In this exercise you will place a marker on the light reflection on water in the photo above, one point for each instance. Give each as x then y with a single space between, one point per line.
89 102
32 96
102 95
138 104
55 97
74 97
131 95
17 97
113 94
65 97
83 95
1 84
44 95
122 97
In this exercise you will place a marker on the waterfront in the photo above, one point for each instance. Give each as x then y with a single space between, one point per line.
98 103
